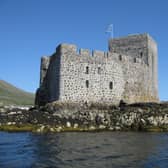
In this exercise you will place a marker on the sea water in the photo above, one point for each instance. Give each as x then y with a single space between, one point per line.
83 150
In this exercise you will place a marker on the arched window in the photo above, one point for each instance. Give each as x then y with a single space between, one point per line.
87 70
111 85
99 70
87 83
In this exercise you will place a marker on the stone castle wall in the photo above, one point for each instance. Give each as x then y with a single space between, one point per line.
135 46
87 78
126 72
144 80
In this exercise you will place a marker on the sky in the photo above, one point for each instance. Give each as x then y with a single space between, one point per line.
30 29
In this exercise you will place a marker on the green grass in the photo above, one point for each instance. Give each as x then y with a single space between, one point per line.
9 94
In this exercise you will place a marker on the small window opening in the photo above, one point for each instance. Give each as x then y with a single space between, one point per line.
111 85
134 60
120 57
99 70
87 70
87 83
141 54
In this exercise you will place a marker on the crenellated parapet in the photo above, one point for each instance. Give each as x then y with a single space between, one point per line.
84 52
71 50
65 48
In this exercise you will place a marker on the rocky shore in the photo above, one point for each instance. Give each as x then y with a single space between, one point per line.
59 117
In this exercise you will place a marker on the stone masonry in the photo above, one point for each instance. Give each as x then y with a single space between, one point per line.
128 72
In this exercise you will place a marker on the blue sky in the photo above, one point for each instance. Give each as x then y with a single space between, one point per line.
30 29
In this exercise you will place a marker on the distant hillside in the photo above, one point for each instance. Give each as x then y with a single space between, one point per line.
9 94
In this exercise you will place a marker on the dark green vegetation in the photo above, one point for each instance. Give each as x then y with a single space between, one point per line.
9 94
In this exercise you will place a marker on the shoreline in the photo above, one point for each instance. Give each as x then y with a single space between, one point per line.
64 117
49 129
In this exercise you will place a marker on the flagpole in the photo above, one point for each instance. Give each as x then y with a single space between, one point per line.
110 31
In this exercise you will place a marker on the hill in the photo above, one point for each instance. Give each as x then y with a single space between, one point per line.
9 94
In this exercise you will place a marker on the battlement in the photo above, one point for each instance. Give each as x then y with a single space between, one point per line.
135 40
64 48
85 52
136 46
72 51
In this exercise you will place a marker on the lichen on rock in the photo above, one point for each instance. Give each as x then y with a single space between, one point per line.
55 117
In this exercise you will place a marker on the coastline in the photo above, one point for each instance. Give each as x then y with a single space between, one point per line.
64 117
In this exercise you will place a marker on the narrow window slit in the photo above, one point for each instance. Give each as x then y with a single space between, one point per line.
87 70
111 85
87 84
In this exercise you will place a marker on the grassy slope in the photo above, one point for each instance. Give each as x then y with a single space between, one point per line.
9 94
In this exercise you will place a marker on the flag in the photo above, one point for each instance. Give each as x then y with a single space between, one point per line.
109 30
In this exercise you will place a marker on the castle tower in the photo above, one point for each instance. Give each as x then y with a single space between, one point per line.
141 46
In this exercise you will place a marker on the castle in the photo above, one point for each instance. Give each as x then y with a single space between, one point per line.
128 72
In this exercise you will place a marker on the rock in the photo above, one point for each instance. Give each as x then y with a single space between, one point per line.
34 121
143 121
57 114
68 124
2 110
111 128
19 112
117 128
165 119
140 110
76 125
92 116
12 113
52 129
102 126
41 129
153 121
58 129
92 128
9 123
136 117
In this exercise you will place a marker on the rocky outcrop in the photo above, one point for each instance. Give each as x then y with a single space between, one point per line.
56 117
